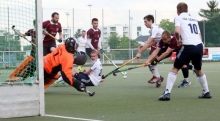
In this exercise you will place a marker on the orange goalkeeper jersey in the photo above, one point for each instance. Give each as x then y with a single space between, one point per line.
60 60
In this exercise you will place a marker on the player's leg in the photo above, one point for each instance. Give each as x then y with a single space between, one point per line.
186 80
84 78
153 68
88 51
49 79
160 78
52 46
197 62
182 58
46 50
33 64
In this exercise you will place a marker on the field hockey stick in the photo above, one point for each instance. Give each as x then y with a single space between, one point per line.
50 35
3 62
89 93
113 63
103 77
126 69
21 35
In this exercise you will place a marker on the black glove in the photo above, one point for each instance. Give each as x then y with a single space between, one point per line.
60 40
103 51
154 62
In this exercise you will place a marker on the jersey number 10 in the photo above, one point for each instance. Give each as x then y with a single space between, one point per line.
193 28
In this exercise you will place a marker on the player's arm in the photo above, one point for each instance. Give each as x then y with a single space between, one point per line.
66 71
89 39
91 69
141 49
60 33
100 43
177 28
28 33
152 56
44 25
165 54
88 71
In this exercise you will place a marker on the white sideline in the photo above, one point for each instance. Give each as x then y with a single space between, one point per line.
81 119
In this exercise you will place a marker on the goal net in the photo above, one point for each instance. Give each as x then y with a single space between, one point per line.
21 58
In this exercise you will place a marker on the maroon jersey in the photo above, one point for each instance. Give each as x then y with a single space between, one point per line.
94 35
172 44
32 33
51 28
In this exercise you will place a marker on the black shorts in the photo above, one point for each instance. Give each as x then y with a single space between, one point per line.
46 48
163 50
84 78
89 50
189 53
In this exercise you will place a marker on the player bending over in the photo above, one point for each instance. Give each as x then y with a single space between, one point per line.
155 37
191 50
32 68
61 60
167 45
92 76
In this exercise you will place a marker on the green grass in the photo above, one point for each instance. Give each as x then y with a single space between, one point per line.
133 99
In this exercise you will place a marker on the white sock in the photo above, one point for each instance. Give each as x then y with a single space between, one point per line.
203 81
171 78
59 79
154 70
187 79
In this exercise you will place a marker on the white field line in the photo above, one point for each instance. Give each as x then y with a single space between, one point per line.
74 118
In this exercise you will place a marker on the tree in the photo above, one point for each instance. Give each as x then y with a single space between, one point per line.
117 42
212 4
78 33
212 31
167 25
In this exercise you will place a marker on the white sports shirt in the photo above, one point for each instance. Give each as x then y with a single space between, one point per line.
82 44
156 32
189 29
96 73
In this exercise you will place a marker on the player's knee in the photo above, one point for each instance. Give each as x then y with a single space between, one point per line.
184 66
52 49
198 72
175 70
78 85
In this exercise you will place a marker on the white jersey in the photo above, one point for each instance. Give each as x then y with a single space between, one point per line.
189 29
96 73
82 44
156 32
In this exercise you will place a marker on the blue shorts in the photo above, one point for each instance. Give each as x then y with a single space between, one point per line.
189 53
84 78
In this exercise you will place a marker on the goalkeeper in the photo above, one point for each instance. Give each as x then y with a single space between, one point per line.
61 60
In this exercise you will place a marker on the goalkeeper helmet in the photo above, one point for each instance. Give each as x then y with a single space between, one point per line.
71 45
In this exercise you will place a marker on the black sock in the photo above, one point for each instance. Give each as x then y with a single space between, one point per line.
185 72
190 67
